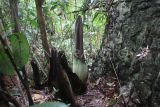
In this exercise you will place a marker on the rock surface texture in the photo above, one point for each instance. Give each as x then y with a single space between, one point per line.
131 48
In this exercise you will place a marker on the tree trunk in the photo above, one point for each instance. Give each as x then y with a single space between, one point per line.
42 26
16 29
14 15
131 47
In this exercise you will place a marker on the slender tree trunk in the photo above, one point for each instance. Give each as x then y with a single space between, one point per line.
14 15
41 21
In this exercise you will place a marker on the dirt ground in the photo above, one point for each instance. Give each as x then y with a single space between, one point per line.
101 93
104 92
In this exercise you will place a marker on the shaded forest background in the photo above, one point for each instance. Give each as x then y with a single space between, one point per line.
36 36
121 41
59 19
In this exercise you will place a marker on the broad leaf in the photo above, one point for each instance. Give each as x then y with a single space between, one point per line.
51 104
20 52
20 49
5 64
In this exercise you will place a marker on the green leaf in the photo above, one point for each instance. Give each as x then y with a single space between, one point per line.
99 19
33 22
54 5
51 104
5 64
20 49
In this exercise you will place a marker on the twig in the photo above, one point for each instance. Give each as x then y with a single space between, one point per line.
119 84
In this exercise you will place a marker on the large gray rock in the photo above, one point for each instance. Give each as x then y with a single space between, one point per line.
131 47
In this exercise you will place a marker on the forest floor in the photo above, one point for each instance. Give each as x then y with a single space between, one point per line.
101 93
104 92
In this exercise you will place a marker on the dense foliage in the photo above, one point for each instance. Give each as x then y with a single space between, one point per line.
60 17
21 36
